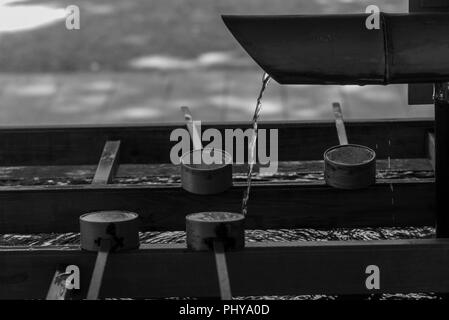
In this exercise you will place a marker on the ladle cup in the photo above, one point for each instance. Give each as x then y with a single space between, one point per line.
105 232
218 232
348 166
204 170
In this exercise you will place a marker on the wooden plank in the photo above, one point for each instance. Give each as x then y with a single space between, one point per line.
403 202
162 173
151 144
334 267
108 163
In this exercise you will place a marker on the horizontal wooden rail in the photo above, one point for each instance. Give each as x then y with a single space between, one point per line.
151 144
401 202
406 266
170 174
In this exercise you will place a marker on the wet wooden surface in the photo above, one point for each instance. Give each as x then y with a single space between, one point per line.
50 199
168 174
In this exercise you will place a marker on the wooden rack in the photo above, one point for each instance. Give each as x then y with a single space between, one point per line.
105 159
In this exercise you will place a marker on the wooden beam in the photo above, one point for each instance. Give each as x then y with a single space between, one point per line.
406 266
107 166
151 144
402 202
170 174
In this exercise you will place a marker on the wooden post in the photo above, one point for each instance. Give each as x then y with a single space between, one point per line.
441 97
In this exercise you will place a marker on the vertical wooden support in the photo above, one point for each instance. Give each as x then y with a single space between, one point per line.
107 166
441 97
431 149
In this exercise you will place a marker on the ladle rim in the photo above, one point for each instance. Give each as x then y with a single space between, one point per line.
130 216
221 166
233 216
373 155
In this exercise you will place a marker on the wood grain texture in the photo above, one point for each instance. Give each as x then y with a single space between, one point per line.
403 202
333 267
151 144
170 174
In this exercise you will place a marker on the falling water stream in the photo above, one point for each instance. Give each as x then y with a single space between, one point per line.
252 144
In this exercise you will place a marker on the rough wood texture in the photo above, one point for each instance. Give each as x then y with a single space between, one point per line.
151 144
296 267
403 202
107 166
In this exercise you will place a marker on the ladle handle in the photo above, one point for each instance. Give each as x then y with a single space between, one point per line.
339 123
97 274
222 271
192 126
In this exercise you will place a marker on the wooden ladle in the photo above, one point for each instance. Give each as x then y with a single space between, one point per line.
348 166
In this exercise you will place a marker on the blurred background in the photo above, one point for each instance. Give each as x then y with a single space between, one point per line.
138 61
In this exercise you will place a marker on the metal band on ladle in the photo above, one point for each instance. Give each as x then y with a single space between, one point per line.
106 232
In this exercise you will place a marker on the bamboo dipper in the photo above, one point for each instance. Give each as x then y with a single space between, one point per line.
204 170
220 232
105 232
348 166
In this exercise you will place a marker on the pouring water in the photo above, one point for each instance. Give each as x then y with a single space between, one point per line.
252 144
